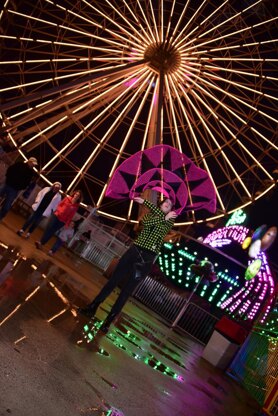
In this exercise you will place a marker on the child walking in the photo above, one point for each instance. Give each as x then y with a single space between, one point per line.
64 235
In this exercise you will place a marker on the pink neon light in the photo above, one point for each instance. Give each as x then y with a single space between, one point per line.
131 82
262 286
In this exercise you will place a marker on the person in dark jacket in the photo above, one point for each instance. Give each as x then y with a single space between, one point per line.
137 261
18 177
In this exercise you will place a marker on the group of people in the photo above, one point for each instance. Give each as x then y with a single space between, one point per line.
137 261
48 204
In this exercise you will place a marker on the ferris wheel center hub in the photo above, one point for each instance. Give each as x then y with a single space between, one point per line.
162 57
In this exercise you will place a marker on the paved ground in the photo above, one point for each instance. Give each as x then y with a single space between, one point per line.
55 363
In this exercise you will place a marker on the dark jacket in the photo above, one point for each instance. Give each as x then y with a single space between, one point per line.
19 175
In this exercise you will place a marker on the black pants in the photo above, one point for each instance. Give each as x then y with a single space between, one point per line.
136 263
33 221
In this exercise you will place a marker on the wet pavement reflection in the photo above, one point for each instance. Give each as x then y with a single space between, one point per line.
38 318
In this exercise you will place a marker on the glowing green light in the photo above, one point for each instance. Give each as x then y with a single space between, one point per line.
238 217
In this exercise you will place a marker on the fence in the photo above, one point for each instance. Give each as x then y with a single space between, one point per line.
195 320
256 367
106 244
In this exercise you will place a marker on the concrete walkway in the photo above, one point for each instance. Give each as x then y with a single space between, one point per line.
55 363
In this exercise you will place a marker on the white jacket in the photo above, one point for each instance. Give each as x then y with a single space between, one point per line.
52 205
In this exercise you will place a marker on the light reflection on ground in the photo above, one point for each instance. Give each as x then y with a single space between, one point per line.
36 293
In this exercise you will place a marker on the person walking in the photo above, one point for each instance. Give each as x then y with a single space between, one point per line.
137 261
18 177
45 204
63 215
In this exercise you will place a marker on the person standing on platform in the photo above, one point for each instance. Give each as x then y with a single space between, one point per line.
45 204
18 177
137 261
63 215
64 235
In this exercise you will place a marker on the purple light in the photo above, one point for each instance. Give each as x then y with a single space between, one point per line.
225 235
262 285
131 82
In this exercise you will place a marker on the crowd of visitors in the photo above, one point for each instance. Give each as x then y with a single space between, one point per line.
135 264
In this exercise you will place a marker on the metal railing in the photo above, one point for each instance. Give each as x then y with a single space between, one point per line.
198 323
195 321
161 299
106 244
256 366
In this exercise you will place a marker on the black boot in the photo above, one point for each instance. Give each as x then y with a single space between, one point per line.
90 310
107 322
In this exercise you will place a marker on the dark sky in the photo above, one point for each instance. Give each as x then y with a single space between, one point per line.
265 210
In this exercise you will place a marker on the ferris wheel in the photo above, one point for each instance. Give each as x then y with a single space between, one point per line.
87 84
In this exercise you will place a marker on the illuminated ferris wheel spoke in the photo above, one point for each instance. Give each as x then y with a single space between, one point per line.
177 136
238 59
141 27
75 45
115 23
170 20
33 61
107 134
254 91
92 123
127 21
116 122
154 22
219 147
236 98
162 20
235 71
239 87
234 137
95 99
65 87
71 12
185 47
199 26
150 119
70 29
93 23
233 96
150 31
48 106
203 159
96 87
172 114
125 140
229 19
229 110
241 46
182 32
177 25
47 80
